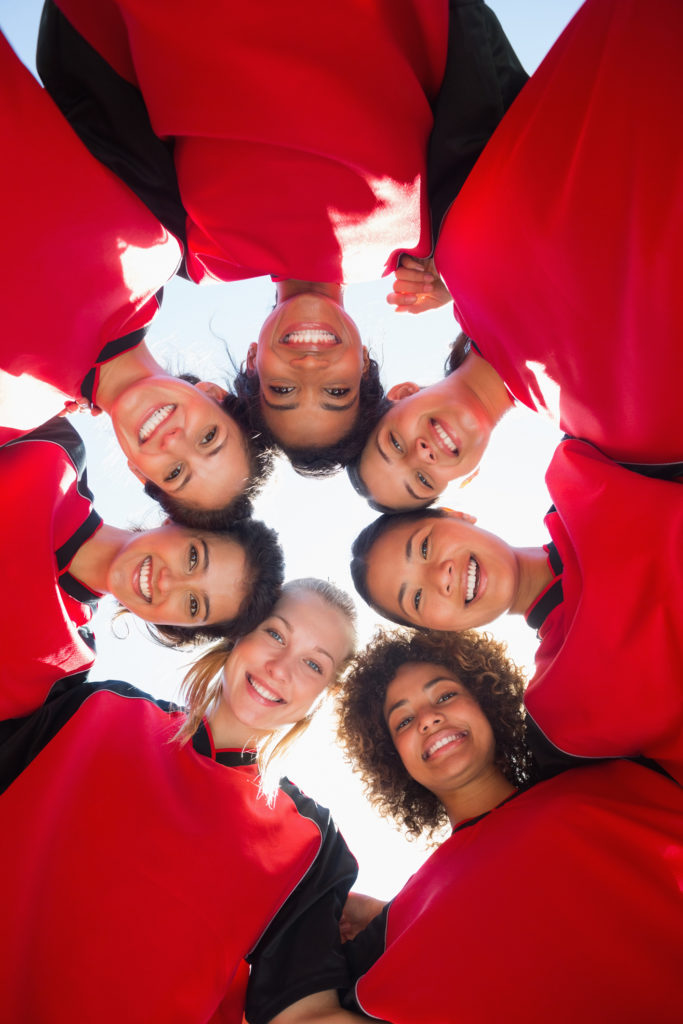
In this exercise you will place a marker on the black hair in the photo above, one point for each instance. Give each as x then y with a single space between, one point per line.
265 573
458 351
328 459
363 544
259 448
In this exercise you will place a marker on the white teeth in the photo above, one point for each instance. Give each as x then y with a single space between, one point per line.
150 424
442 743
472 579
310 337
443 436
262 692
146 579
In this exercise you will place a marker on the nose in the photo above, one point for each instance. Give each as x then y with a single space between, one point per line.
429 717
443 577
423 451
171 439
310 361
277 669
166 581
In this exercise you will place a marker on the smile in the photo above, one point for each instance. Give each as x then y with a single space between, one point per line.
145 579
311 339
444 741
446 443
473 579
263 691
154 421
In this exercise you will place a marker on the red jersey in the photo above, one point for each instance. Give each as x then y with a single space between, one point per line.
564 250
299 131
609 667
563 904
82 258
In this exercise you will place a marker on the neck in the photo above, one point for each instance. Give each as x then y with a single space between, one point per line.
119 373
534 577
288 289
477 797
486 385
92 561
228 731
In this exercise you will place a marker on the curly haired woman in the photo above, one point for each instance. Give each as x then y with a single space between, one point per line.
434 725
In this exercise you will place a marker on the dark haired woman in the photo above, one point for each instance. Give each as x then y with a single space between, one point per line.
610 583
145 861
82 261
60 556
563 255
285 142
581 872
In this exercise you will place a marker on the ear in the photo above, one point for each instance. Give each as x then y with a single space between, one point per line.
214 391
136 473
251 357
366 362
404 390
455 514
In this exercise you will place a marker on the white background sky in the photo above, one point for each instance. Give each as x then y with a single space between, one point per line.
318 520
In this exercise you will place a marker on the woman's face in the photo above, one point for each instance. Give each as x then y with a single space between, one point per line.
273 675
176 435
179 577
427 438
442 573
441 734
309 360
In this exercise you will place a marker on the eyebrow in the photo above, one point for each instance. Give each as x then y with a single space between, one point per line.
207 603
400 703
404 586
328 407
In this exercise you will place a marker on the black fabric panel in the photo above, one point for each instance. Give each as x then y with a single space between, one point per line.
542 609
110 351
300 953
109 115
483 76
361 953
672 471
66 552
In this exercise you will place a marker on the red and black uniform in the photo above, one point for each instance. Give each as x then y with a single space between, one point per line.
564 250
138 873
46 612
609 667
562 904
82 258
298 133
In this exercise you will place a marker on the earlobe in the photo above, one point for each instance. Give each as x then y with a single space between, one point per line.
251 357
366 362
404 390
214 391
136 472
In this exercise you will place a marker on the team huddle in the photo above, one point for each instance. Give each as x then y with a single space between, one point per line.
324 145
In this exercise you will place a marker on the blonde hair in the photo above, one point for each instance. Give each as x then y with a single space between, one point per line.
202 684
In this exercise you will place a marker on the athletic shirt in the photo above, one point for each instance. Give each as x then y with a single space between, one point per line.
141 872
82 258
299 131
46 515
564 250
609 666
561 905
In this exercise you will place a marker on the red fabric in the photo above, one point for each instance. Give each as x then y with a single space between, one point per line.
138 872
300 129
609 668
564 250
41 510
81 258
562 905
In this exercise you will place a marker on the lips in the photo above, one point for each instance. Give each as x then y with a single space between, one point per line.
472 579
153 421
443 739
310 338
142 580
444 439
264 693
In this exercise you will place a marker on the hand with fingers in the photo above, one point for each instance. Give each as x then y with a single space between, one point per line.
417 286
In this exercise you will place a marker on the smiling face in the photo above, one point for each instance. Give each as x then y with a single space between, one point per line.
274 674
428 437
177 436
178 577
309 359
442 573
441 734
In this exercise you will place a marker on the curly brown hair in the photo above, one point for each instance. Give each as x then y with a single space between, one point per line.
481 664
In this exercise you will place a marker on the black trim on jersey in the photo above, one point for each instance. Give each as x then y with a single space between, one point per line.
109 115
362 953
543 607
300 953
655 470
229 758
59 431
483 76
553 554
112 349
87 636
66 552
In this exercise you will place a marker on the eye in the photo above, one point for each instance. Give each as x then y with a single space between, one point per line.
395 443
424 481
209 436
446 696
275 635
281 389
174 472
424 547
193 557
314 665
403 724
417 600
337 392
194 606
